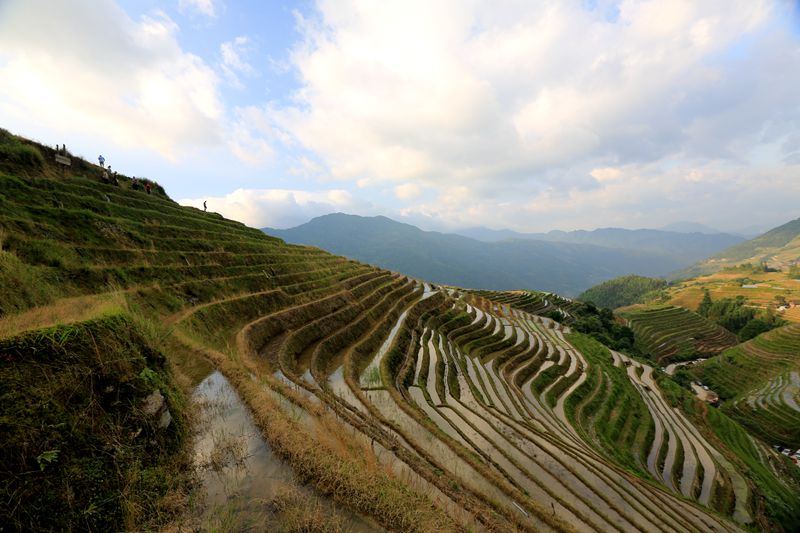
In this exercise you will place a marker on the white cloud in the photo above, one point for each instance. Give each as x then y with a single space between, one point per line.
641 196
606 174
305 167
87 67
531 115
278 208
408 191
252 133
203 7
495 91
533 105
234 62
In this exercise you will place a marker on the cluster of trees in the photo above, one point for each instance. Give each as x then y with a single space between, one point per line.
750 268
734 315
622 291
599 323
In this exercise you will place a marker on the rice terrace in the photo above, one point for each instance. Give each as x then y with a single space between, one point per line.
401 266
415 406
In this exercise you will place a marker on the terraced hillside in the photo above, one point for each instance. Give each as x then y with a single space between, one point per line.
533 302
670 334
422 407
759 383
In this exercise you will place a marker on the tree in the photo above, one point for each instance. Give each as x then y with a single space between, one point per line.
706 304
754 328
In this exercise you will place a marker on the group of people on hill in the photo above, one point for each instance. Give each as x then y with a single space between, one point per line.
110 176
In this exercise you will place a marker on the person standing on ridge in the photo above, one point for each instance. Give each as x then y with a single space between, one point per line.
205 207
147 187
102 160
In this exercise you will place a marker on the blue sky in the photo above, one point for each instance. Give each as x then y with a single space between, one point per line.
269 27
527 115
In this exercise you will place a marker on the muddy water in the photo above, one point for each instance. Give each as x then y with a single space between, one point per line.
340 388
371 377
455 465
237 470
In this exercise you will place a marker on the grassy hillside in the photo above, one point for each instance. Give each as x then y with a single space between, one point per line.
779 248
620 292
759 383
762 245
80 448
73 249
422 407
670 334
562 267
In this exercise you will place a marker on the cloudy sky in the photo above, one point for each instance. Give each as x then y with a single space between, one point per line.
506 113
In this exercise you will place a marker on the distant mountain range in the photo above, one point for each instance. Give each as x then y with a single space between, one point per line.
690 227
683 247
562 262
778 247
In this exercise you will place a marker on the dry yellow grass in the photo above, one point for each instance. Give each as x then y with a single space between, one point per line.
324 455
792 315
64 311
728 285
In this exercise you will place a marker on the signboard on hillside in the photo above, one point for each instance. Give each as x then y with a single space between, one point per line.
63 160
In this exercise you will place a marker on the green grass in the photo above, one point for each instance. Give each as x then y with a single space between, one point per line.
23 286
601 413
16 154
78 451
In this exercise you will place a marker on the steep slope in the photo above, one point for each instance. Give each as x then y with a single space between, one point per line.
778 247
91 426
71 244
670 334
632 412
759 384
565 268
426 409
